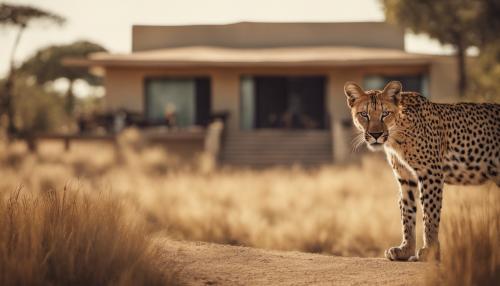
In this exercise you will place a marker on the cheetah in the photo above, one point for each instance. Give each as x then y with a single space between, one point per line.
427 144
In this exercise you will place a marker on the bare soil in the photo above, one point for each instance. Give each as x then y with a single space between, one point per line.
200 263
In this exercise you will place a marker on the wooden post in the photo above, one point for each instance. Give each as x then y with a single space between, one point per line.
212 144
67 143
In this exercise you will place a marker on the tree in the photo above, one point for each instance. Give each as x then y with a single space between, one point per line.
487 24
46 65
37 109
21 17
452 22
485 74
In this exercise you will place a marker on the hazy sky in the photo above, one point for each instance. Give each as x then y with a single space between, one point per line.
109 22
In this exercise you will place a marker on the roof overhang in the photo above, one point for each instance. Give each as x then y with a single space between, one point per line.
204 56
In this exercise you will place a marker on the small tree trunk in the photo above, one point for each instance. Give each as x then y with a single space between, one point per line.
8 105
70 99
462 69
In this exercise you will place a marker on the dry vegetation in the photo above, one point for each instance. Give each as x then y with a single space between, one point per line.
125 199
472 241
69 238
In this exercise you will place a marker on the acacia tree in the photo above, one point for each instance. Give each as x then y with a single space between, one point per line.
485 77
20 17
449 21
46 66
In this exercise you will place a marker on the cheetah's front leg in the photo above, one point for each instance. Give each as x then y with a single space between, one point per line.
431 196
407 205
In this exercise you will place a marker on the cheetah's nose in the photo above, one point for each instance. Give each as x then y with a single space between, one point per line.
376 135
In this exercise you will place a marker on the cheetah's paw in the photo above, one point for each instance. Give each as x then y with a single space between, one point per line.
426 254
398 253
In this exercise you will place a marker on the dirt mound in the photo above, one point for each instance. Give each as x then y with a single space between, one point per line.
213 264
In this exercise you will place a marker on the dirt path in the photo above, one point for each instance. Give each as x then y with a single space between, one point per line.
213 264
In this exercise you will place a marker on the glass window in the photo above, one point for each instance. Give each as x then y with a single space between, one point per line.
374 82
171 99
416 83
178 102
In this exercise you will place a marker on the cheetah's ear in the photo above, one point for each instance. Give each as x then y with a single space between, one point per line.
353 92
393 91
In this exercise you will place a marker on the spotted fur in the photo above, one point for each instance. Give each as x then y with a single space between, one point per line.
427 144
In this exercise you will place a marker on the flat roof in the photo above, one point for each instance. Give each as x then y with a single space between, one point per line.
248 57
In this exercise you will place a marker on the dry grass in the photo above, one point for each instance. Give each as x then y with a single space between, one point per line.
343 210
471 236
71 238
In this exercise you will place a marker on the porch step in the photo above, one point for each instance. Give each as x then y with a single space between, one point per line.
263 148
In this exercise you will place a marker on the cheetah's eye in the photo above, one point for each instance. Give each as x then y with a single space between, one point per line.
364 114
385 114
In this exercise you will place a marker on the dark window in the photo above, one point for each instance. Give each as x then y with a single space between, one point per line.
203 101
296 102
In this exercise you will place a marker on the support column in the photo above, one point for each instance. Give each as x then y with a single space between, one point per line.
340 116
226 97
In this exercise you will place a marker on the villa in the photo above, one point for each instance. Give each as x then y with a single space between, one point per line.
278 86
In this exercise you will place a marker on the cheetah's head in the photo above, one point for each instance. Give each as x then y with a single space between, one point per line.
373 111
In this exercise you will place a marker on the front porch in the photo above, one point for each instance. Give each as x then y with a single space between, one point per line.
255 148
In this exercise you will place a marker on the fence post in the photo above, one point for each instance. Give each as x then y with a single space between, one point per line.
213 141
31 142
67 143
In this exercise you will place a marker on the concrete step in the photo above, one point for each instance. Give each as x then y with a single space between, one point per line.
262 148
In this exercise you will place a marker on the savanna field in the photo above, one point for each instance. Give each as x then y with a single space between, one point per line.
89 216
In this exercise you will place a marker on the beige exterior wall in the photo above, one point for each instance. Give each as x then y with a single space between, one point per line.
125 89
256 35
226 96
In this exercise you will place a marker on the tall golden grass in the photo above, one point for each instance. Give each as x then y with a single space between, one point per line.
471 236
343 210
59 236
